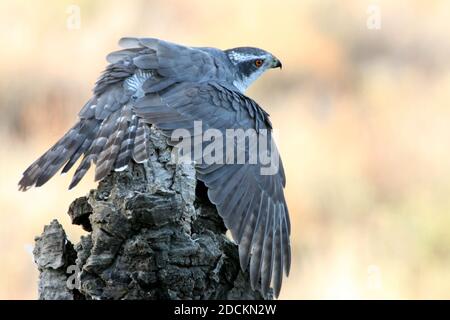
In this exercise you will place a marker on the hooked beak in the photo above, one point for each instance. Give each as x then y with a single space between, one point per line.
276 63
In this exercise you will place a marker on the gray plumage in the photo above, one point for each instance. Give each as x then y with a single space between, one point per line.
153 82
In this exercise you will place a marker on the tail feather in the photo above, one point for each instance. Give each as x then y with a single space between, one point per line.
106 130
140 148
124 155
108 156
81 170
82 149
110 144
50 162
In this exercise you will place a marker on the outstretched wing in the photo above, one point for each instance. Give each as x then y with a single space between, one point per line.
108 133
251 204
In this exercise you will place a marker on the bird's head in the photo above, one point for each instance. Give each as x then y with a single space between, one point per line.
250 63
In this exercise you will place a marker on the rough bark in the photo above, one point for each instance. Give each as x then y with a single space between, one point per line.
150 236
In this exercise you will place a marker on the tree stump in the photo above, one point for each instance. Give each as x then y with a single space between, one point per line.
152 234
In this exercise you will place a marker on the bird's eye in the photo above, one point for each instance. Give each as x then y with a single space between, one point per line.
259 62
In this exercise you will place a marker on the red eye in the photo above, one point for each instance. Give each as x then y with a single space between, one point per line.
258 63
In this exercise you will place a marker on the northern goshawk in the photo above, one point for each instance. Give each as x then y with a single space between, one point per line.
169 86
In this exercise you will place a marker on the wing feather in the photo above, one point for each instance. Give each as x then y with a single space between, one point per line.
252 204
258 241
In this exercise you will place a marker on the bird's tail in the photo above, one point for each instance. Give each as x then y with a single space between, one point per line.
66 151
109 143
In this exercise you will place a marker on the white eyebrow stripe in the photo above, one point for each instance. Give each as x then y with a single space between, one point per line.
241 57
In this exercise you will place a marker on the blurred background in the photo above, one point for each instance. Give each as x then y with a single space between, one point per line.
361 108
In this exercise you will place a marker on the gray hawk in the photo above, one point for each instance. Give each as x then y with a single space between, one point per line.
169 86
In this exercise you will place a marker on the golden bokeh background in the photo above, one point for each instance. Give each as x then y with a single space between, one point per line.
363 121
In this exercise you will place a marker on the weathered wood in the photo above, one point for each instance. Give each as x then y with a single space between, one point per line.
150 236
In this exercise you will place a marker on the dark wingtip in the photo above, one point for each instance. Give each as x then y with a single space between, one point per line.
23 184
23 188
72 184
287 265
